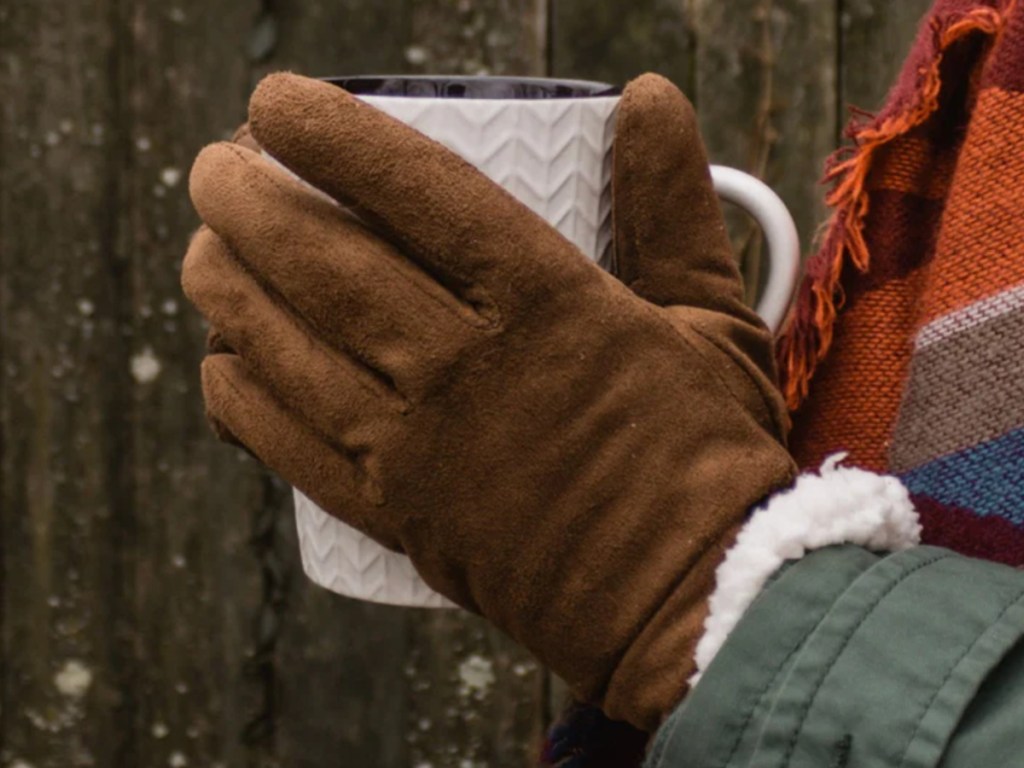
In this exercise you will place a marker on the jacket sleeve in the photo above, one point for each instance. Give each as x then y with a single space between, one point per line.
850 657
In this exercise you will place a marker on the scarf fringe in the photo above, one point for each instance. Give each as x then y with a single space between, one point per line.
809 331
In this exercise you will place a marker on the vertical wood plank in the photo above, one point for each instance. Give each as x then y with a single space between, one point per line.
329 37
131 612
616 40
876 38
197 590
364 684
64 494
477 37
766 96
476 698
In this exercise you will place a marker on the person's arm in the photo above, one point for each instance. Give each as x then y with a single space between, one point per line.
854 658
857 649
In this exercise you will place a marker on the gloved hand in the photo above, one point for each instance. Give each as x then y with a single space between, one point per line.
561 454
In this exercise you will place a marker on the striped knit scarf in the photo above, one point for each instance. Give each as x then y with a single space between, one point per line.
917 294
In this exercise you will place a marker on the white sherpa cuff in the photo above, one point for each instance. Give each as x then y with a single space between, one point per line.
841 505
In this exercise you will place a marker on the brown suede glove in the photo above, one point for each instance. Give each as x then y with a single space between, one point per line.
554 451
215 341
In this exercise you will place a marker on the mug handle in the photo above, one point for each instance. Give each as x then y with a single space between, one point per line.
771 214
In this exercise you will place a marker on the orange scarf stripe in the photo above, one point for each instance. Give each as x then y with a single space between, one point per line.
808 334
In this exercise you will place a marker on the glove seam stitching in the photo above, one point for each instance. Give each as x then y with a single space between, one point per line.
358 469
768 414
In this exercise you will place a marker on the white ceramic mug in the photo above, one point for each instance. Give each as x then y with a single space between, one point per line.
549 143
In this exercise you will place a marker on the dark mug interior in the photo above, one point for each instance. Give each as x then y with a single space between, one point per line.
471 87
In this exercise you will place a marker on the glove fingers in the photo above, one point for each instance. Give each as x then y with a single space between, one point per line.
243 137
337 481
350 286
216 343
321 384
442 212
671 245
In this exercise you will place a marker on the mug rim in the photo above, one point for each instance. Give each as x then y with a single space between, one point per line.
542 88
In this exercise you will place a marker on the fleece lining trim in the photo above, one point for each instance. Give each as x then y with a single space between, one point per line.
837 505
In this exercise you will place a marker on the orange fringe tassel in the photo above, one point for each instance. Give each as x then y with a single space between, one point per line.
809 332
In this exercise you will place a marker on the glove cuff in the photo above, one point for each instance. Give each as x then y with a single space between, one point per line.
839 505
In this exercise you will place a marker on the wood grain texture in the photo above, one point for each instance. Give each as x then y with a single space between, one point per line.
66 502
616 40
477 37
475 697
320 38
196 580
875 39
128 593
766 95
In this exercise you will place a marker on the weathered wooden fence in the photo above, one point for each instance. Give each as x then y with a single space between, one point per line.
154 612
